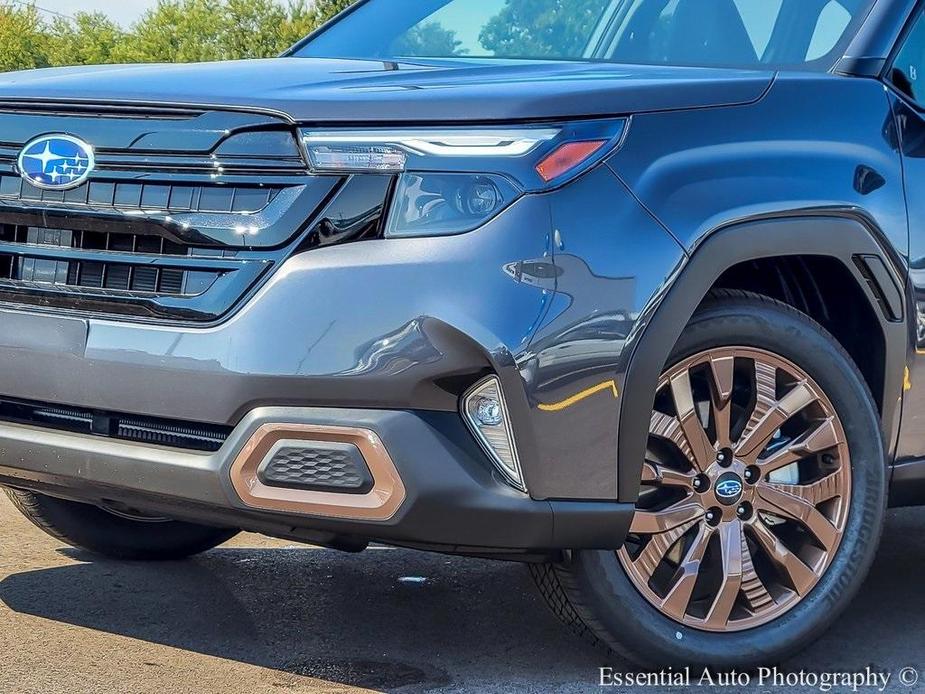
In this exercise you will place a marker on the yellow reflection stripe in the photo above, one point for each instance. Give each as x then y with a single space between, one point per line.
583 395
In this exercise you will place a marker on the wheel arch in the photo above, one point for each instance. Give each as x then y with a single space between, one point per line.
842 236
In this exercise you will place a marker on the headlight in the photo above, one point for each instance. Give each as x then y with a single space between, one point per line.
435 204
453 180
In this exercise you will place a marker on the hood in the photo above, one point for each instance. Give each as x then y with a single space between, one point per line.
329 90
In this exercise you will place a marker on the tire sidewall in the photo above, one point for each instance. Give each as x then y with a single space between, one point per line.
648 636
88 527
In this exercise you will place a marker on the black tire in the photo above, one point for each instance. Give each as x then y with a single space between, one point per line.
105 533
593 594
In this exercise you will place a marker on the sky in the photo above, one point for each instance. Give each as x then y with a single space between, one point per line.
123 11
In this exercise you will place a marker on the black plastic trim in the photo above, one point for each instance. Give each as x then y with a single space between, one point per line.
116 425
877 37
883 286
454 500
269 474
907 484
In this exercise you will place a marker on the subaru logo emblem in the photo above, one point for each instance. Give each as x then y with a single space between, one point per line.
728 489
56 162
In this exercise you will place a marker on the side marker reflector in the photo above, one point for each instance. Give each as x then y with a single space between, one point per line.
565 158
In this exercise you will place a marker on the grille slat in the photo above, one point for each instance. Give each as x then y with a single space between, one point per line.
184 212
144 279
147 196
96 274
151 430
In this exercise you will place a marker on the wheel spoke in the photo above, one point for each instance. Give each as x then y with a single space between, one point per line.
813 494
801 576
721 397
768 415
654 474
753 588
765 397
655 522
657 547
700 446
679 597
796 508
731 542
823 437
669 428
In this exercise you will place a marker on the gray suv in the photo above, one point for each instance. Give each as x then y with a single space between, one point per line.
628 290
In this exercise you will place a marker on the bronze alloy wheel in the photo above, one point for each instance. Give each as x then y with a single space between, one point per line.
745 491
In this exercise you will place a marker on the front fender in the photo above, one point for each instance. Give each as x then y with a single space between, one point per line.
839 235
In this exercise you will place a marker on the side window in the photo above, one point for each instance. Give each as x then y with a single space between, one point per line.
908 73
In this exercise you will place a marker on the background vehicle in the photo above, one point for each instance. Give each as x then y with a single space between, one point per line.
623 292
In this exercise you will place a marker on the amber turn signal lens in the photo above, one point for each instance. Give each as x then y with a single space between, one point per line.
567 157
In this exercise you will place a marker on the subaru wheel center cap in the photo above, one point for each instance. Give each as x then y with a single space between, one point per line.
728 489
56 162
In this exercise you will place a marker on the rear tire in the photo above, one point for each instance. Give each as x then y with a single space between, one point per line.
601 595
115 534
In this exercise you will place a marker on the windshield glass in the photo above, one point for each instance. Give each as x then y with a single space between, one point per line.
736 33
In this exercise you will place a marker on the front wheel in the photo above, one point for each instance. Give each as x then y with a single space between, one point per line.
763 496
118 532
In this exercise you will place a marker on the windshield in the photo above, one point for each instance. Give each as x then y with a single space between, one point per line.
808 34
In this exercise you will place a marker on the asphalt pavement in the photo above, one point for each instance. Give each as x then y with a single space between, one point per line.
260 615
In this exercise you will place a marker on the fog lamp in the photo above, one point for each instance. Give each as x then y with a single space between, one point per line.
486 414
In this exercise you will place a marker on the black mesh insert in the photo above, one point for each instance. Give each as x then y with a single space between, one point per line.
318 466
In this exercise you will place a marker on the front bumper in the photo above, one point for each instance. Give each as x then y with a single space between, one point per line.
386 335
545 296
449 497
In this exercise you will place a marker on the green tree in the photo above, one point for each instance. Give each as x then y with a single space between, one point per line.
90 39
304 16
542 28
23 41
171 31
178 31
300 21
202 30
253 29
323 10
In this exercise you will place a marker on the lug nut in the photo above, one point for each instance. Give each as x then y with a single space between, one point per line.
744 512
752 475
699 483
713 517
